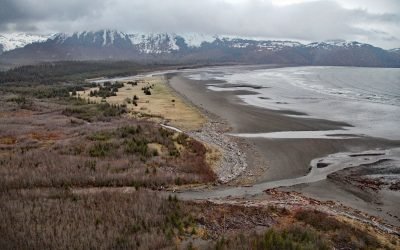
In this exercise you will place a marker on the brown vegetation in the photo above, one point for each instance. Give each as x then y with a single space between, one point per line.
51 150
58 219
342 234
293 237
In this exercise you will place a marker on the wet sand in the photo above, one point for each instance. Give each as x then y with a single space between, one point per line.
270 159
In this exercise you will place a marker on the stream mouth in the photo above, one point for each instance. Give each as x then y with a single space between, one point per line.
332 163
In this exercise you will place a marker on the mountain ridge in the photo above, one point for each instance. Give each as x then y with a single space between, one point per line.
182 48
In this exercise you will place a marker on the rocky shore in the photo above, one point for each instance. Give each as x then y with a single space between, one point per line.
233 160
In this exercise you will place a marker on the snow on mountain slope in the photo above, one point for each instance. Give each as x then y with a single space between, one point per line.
18 40
150 43
262 45
334 43
100 38
195 40
153 43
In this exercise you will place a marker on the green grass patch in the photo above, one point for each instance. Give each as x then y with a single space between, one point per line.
93 112
100 136
101 149
294 237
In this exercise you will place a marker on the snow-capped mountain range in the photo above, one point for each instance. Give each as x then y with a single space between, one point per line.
156 43
171 47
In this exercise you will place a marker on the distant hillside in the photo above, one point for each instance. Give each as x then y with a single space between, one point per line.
397 50
195 48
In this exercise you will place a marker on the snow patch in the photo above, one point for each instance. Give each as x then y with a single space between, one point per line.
334 43
196 40
152 43
18 40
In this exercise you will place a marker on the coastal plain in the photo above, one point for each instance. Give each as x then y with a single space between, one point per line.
173 166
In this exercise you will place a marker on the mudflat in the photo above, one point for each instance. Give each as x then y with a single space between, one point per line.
270 159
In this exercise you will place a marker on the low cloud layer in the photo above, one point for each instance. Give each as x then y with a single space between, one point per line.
376 22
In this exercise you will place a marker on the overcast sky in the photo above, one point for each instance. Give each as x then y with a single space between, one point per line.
372 21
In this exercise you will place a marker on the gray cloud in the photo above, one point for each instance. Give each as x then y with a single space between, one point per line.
16 14
366 21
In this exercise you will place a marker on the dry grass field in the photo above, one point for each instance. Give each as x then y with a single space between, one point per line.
163 105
